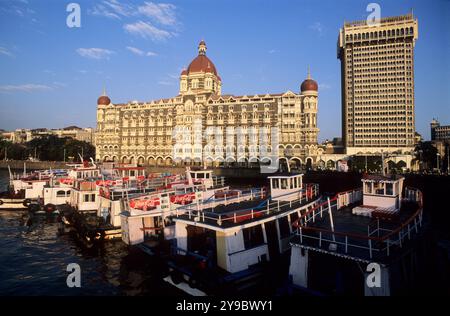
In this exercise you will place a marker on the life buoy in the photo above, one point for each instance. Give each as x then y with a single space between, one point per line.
26 202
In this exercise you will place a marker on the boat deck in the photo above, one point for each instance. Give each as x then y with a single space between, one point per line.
360 237
242 212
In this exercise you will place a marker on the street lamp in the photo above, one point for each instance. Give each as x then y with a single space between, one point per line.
437 161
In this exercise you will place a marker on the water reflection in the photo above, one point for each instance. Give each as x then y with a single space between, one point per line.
34 257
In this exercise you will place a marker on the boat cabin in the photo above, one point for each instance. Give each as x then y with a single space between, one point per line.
84 172
84 196
57 195
380 193
129 172
286 186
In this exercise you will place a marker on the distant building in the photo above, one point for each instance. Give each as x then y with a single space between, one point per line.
377 73
440 138
438 132
25 135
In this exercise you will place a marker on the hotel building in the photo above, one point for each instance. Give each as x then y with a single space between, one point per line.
201 124
377 74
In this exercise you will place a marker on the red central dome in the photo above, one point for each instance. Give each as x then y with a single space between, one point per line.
201 63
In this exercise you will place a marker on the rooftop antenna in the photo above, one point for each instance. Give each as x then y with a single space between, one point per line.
309 73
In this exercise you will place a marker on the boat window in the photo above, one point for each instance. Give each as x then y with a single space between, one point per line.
68 193
200 176
379 188
275 184
284 184
389 189
284 227
253 236
60 193
89 198
368 187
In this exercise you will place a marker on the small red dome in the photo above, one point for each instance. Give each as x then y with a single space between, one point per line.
309 85
104 100
184 72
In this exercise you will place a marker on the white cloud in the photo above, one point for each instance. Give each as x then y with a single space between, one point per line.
101 10
324 86
59 84
318 27
136 51
29 87
147 30
140 52
163 13
6 52
112 9
157 21
119 8
94 53
272 51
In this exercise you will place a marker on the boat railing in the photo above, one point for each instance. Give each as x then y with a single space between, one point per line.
265 208
378 240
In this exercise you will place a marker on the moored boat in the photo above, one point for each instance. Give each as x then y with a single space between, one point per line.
360 242
230 243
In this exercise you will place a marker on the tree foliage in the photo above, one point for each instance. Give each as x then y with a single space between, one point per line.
47 148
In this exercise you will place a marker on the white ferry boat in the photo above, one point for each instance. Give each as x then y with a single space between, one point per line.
231 246
361 242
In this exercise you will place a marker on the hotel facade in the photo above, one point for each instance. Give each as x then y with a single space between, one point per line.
202 125
377 75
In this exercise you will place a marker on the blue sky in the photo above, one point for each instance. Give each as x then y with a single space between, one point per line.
52 75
